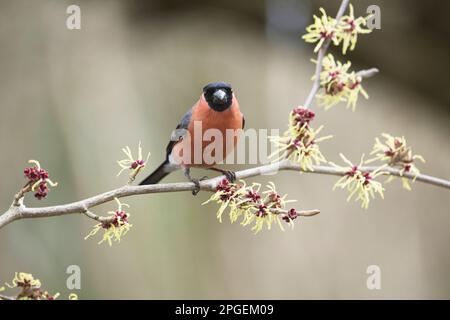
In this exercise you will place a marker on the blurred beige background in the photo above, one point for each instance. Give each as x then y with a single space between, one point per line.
73 99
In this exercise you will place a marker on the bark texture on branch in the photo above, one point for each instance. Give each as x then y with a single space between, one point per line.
23 212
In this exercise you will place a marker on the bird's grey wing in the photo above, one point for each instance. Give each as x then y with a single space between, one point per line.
179 132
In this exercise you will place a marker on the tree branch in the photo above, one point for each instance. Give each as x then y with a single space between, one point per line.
82 206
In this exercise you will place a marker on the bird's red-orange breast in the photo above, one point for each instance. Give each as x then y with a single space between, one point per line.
230 119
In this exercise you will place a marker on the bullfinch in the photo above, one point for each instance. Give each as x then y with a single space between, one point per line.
216 109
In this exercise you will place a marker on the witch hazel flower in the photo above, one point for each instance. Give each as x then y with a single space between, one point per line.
24 280
134 165
253 207
267 210
345 30
348 29
300 119
334 80
339 83
355 89
270 209
38 181
115 226
30 288
361 185
396 153
323 29
300 142
225 195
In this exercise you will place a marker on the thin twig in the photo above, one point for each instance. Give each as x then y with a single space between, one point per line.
367 73
95 217
18 197
22 212
303 213
3 297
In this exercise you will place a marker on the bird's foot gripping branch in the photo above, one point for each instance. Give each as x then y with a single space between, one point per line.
298 150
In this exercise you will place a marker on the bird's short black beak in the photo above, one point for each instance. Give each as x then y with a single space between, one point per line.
220 97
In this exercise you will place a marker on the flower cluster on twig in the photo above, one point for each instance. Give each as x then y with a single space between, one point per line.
345 30
134 165
300 142
362 185
338 82
248 203
393 153
397 154
30 289
115 226
340 85
38 181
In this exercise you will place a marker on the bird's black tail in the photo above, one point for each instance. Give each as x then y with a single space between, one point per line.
157 175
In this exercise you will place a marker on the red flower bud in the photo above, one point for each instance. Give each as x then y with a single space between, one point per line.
254 196
137 163
42 191
291 215
262 212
